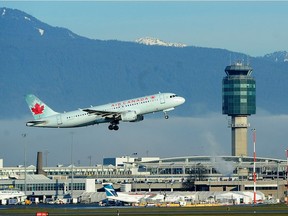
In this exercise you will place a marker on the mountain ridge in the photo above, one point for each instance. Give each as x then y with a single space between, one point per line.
71 72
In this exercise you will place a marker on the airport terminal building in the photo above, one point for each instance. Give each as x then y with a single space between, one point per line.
192 173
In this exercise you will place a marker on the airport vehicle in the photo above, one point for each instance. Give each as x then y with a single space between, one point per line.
123 197
132 110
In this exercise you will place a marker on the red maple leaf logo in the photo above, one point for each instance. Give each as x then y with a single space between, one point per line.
37 109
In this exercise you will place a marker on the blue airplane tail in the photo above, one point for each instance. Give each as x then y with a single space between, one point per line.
38 108
110 191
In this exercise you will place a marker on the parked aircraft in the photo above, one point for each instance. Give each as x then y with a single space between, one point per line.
149 197
132 110
123 197
15 195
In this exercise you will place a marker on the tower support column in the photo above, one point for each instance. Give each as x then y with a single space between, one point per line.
239 127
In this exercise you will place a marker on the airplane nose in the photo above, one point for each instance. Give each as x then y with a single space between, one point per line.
182 100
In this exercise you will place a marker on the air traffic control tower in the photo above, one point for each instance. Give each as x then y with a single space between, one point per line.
239 101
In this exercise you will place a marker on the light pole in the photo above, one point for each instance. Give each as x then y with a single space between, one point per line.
238 187
72 174
254 164
195 177
287 176
46 157
25 170
277 179
90 159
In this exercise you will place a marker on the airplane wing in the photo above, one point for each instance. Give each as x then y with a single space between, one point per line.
104 114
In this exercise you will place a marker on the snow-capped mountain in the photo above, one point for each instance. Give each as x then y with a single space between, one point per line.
29 25
158 42
280 56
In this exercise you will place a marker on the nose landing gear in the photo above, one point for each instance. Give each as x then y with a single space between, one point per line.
166 115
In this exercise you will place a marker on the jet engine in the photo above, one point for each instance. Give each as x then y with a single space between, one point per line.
131 116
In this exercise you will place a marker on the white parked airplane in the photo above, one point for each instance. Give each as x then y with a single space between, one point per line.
123 197
132 110
11 194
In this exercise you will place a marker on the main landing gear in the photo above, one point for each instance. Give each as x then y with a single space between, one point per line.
113 125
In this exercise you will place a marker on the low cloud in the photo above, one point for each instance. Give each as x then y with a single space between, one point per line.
155 136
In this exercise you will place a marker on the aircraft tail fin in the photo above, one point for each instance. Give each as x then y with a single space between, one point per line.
110 191
38 108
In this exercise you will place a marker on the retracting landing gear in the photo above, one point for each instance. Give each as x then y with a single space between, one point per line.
113 125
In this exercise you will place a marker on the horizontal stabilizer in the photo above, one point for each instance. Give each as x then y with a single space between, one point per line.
35 123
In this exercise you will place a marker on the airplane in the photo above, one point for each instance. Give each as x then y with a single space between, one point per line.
131 110
12 194
123 197
136 197
180 197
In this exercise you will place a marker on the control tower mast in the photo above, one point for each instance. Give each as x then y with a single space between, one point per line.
239 101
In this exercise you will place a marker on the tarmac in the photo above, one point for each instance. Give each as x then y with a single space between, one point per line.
82 210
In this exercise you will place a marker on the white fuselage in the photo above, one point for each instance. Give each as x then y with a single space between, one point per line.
7 194
141 106
128 198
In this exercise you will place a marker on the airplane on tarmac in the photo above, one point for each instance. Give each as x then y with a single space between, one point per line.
123 197
132 110
6 195
137 197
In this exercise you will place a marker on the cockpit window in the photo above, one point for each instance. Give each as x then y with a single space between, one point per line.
172 96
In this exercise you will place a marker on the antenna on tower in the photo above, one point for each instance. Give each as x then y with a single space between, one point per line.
248 60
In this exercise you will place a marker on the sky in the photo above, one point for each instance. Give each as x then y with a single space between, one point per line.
255 28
